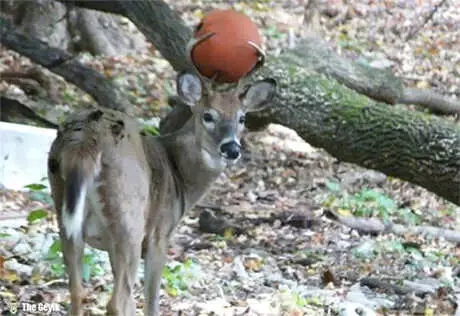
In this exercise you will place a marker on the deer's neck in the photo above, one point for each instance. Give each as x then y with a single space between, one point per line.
194 168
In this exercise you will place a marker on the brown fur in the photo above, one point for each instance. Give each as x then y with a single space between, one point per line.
138 188
142 178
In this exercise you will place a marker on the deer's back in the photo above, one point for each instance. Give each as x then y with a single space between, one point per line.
107 147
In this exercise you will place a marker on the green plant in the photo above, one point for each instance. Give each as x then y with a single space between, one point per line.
294 298
368 203
35 187
177 277
333 186
149 129
371 249
273 33
350 43
37 216
69 95
91 267
54 257
38 192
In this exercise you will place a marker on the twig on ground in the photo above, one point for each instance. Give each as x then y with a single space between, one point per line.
425 21
210 223
376 226
5 218
457 311
405 288
57 281
456 270
209 206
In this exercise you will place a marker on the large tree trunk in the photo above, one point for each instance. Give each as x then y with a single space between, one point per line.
412 146
75 29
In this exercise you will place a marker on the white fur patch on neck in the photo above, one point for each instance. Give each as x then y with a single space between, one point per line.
212 162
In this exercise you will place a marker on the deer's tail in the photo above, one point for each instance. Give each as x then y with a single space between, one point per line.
79 178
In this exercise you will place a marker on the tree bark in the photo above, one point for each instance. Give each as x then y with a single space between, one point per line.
14 111
412 146
162 26
60 62
379 84
171 37
75 29
431 100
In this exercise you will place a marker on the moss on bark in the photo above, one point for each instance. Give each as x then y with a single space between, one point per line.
410 145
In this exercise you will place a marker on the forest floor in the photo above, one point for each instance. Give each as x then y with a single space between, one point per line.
285 252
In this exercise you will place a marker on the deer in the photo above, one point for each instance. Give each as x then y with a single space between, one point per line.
124 192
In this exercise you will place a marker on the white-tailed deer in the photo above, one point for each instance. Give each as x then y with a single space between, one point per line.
124 192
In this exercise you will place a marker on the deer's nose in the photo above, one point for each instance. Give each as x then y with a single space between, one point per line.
231 150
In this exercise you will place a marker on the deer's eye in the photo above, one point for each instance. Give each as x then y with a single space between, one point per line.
207 118
242 119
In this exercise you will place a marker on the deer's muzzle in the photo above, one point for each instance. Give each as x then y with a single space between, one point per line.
231 150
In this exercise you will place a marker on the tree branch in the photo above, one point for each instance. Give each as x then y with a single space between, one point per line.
103 6
376 226
12 110
431 100
380 85
163 28
425 21
405 288
421 149
60 62
153 19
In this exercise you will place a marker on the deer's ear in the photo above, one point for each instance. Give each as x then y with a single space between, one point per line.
189 88
258 95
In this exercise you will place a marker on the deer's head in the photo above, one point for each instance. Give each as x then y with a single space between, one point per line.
219 116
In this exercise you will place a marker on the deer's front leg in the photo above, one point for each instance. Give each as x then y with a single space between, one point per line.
154 260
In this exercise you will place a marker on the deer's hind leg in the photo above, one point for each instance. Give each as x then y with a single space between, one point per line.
72 250
125 254
124 214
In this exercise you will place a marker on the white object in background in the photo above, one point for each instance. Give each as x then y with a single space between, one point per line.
23 154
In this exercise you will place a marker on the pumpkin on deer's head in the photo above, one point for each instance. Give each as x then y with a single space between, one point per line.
226 46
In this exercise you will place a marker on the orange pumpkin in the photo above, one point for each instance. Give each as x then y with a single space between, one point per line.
227 55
